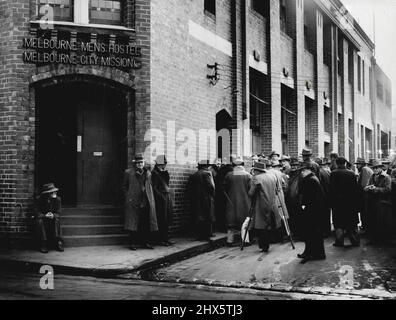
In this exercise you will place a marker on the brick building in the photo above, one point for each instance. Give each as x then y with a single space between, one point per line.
79 93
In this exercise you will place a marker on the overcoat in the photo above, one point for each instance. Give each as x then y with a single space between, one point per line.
280 192
344 195
236 187
201 192
312 201
162 195
265 216
133 195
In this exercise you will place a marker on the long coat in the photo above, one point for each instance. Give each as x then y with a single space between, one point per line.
133 194
344 193
380 210
201 192
312 201
236 187
265 216
280 192
162 196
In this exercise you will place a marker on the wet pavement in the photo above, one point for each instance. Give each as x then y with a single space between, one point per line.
367 270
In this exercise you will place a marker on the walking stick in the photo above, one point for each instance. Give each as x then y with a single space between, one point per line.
251 212
286 223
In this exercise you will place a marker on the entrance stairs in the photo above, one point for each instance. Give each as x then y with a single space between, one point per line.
93 226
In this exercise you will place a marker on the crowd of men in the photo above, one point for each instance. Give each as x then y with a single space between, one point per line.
311 196
271 198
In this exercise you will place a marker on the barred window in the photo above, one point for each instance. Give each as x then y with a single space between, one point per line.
105 12
210 6
62 10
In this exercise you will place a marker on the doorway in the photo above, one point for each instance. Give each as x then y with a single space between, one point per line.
81 142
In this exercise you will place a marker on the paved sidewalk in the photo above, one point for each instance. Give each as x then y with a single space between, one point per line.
107 260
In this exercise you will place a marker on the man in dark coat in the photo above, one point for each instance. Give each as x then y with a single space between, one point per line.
263 191
201 192
163 199
324 178
293 200
311 199
379 204
236 188
344 193
140 215
307 159
48 208
220 200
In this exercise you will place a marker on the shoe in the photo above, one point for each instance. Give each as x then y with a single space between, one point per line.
229 245
43 249
59 246
265 250
148 246
312 258
165 244
133 248
338 245
302 255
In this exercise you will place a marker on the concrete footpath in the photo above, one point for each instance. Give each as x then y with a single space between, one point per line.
106 261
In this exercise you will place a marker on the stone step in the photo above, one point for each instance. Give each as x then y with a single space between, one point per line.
96 240
89 220
92 211
94 230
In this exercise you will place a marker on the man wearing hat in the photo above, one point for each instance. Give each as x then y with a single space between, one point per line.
292 198
201 192
285 161
333 157
324 178
48 218
326 165
140 213
312 199
265 217
236 188
344 194
163 199
274 156
307 159
379 205
364 176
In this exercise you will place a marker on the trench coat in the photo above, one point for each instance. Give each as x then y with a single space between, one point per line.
265 214
201 192
344 196
162 196
281 189
236 187
133 194
379 205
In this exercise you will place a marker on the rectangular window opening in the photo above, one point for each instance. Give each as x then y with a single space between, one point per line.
210 7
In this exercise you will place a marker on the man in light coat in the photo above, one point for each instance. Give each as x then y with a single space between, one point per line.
140 214
364 176
265 213
236 188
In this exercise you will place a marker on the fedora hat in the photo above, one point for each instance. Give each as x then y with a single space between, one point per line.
204 163
274 153
161 159
306 152
326 161
370 163
238 161
285 158
360 161
377 164
294 162
48 188
260 166
138 158
319 161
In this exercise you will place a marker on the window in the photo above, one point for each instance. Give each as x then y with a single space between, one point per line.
62 10
261 7
350 64
388 98
210 6
359 74
105 12
283 19
364 78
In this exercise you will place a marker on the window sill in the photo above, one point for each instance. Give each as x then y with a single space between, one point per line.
73 24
